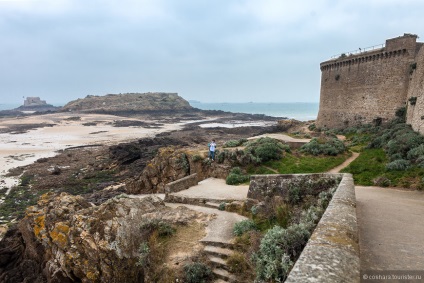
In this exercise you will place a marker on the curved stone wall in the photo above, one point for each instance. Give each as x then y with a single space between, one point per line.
332 252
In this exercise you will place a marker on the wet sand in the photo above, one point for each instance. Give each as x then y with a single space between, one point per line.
23 148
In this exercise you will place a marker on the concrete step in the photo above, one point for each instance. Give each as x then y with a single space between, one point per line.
224 275
226 245
218 262
218 251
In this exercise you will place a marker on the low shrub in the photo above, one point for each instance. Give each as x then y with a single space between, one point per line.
196 158
237 263
197 272
236 177
244 226
416 153
274 258
235 143
282 215
294 195
222 206
398 165
266 149
332 147
163 228
144 251
381 181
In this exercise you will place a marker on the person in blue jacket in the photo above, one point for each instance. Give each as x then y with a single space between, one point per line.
212 147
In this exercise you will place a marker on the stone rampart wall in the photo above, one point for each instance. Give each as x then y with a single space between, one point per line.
332 252
367 87
415 101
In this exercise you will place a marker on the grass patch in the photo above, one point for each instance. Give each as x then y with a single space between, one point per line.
371 164
294 163
17 201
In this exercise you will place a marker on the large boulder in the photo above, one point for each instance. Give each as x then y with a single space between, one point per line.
67 239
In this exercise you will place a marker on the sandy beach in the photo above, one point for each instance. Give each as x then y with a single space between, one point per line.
62 131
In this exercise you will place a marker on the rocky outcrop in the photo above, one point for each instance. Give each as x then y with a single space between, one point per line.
171 164
156 101
33 104
66 239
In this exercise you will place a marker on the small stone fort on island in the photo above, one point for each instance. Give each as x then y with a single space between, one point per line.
34 101
369 85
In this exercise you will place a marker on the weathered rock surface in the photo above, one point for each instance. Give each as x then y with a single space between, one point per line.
66 239
129 102
171 164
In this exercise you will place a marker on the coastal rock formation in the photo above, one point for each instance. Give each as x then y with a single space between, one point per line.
152 101
171 164
34 104
66 239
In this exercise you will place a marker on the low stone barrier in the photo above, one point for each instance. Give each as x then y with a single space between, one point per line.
332 252
263 187
181 184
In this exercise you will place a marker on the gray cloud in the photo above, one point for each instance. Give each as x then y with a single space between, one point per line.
262 51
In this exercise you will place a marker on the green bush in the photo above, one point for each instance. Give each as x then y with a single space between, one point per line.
277 249
416 153
401 113
236 176
196 158
197 273
244 226
237 263
294 195
328 147
222 206
398 165
266 149
234 143
144 251
25 180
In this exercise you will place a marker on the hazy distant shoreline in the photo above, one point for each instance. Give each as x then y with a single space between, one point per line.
302 111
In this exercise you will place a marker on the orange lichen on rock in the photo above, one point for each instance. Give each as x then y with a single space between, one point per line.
59 234
39 225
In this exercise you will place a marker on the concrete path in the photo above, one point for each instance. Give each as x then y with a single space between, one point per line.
391 228
345 163
220 229
213 188
282 137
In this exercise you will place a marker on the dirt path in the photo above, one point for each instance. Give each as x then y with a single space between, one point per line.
391 229
345 163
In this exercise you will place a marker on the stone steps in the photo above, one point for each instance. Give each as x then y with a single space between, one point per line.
224 275
217 255
218 251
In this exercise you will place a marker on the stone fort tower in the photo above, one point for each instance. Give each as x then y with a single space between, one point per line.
368 86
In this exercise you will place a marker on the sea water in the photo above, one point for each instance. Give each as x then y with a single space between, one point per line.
9 106
302 111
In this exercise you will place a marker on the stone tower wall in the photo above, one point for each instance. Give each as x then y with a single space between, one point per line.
366 87
415 99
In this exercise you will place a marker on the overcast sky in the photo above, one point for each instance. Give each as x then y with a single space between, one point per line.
212 51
